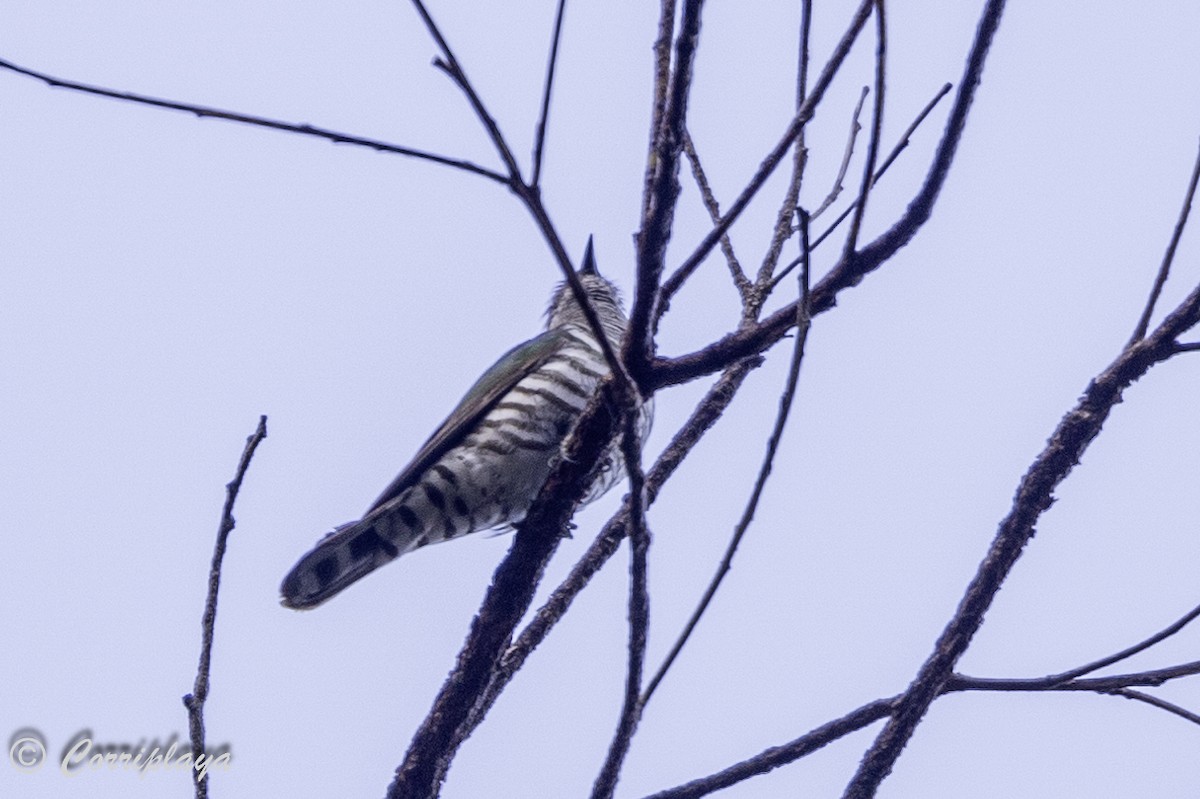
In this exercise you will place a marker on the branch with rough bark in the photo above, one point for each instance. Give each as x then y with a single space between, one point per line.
194 701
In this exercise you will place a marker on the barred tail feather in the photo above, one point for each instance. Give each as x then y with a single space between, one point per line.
347 554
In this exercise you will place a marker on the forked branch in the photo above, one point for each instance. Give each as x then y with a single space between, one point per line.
849 272
765 169
1117 685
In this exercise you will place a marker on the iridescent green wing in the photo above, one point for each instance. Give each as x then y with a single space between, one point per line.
479 399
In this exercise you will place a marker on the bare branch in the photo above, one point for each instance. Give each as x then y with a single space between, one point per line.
804 58
777 756
450 65
639 613
257 121
901 145
1101 685
803 322
763 284
663 193
540 138
906 137
1190 346
1069 680
755 339
528 192
714 211
1034 495
768 165
868 178
837 188
194 702
662 79
1128 652
852 270
1162 704
1164 270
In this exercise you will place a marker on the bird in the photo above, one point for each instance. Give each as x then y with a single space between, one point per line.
483 467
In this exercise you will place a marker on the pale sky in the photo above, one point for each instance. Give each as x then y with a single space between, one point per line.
165 280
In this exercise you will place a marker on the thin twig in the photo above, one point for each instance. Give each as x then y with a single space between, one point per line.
777 756
852 270
257 121
906 137
847 154
868 177
194 702
1189 346
540 137
449 64
639 613
1162 704
791 198
529 194
714 212
803 322
901 146
1128 652
1164 269
803 58
768 165
1102 685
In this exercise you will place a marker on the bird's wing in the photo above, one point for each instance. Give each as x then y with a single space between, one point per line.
513 366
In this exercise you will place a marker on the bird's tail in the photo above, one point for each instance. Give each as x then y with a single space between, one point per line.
350 552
